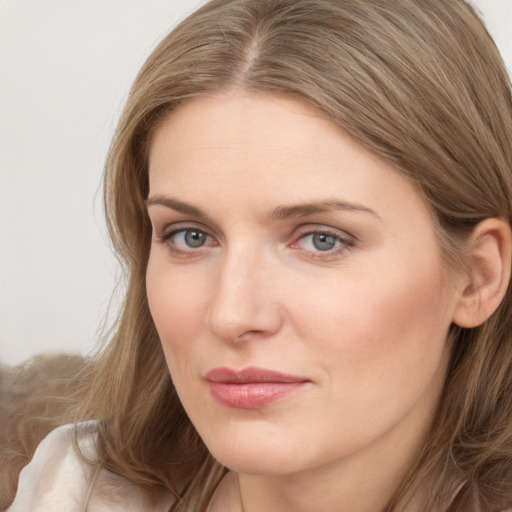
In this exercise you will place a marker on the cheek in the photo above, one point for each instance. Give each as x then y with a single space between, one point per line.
384 334
381 349
178 304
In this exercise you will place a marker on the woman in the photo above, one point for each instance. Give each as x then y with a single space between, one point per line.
312 201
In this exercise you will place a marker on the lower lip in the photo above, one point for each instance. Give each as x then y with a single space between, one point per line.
254 395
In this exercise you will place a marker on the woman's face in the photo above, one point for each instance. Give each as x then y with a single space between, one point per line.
297 286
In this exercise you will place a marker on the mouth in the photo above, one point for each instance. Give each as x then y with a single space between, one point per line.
251 388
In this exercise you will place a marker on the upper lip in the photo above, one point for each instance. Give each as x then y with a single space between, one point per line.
250 375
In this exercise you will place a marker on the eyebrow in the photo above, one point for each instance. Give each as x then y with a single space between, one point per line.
276 214
305 209
176 205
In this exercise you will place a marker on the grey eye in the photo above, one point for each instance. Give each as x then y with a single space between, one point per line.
195 238
323 242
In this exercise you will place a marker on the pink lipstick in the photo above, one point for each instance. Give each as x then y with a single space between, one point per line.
251 388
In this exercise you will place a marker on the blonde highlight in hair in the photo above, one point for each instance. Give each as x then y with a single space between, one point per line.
419 83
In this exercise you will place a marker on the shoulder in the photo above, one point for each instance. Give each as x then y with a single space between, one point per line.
58 479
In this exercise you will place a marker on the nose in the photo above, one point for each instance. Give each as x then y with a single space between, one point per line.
244 304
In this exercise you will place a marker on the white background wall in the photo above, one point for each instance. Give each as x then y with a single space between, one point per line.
65 69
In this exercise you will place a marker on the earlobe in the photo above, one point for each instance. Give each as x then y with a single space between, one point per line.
489 265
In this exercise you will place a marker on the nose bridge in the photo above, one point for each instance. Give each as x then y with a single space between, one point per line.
243 304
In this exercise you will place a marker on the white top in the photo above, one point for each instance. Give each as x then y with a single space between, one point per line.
58 480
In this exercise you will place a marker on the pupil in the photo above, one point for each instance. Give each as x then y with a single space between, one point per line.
323 242
195 238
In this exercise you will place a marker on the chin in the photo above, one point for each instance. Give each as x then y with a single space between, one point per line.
256 463
255 454
253 446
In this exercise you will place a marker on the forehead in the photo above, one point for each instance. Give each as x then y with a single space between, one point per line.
231 120
265 149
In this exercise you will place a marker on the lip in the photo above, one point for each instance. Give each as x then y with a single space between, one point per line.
252 387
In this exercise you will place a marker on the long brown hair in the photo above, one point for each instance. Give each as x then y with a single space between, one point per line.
421 84
35 398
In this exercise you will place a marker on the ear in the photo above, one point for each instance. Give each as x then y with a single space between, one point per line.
485 283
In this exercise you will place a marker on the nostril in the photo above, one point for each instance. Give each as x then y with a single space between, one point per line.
251 334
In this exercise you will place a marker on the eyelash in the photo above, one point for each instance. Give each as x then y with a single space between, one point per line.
345 242
166 239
